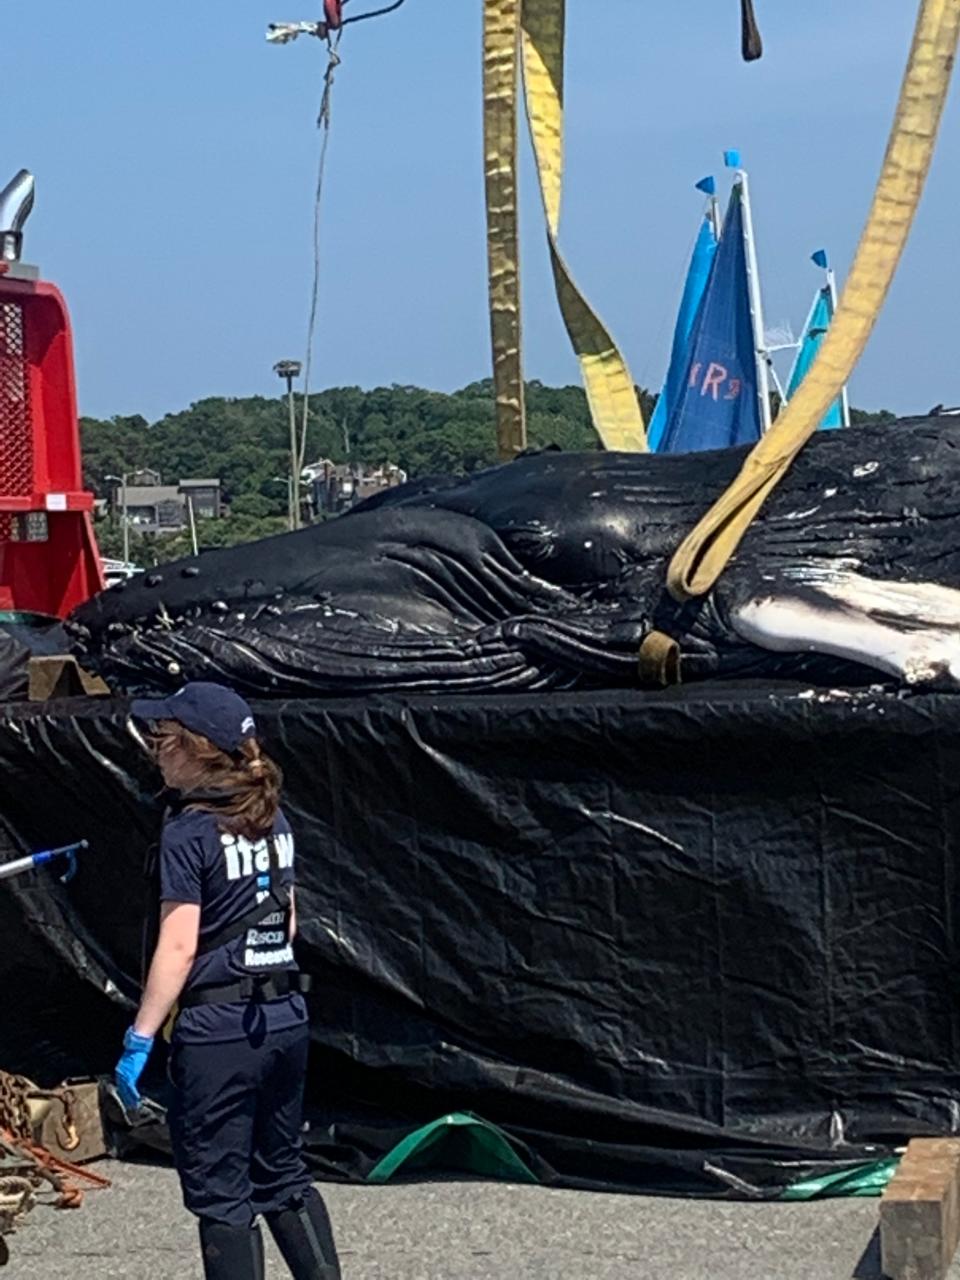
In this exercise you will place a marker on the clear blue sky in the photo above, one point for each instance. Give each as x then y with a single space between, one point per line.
175 153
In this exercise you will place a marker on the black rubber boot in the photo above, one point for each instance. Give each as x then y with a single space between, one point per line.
304 1236
231 1253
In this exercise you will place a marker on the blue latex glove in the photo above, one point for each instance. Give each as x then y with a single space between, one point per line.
136 1051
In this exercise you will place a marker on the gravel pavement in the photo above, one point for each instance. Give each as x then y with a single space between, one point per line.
468 1231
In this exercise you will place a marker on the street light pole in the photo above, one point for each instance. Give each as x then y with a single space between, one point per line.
122 480
126 520
288 370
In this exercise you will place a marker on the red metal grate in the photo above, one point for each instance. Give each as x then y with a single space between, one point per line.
16 428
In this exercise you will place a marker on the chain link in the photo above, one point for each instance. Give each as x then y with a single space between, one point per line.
15 1095
15 1105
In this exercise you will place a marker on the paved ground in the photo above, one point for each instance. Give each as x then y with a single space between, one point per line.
469 1231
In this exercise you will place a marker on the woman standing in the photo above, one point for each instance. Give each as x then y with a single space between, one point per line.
224 958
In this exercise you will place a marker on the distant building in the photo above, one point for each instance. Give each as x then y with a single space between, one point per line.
153 507
335 487
145 476
205 496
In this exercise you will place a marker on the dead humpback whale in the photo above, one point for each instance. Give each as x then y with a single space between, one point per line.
548 573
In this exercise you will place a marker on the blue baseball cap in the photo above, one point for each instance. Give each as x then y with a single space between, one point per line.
202 707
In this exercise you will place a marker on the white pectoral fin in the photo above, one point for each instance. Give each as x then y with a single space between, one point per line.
908 630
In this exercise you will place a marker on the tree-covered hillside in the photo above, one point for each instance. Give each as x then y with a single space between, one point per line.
245 443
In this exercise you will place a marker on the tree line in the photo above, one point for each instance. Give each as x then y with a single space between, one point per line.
245 443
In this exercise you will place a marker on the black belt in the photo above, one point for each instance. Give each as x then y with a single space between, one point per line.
252 990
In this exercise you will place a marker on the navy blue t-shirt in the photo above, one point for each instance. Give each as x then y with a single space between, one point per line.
223 874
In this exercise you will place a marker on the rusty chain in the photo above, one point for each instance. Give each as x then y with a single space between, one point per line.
15 1095
15 1106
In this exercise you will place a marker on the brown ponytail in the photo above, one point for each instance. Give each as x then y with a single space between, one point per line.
250 782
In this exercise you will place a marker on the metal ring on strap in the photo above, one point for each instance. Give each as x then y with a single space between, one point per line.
659 661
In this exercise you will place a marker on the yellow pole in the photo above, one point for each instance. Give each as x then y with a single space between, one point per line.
537 28
501 70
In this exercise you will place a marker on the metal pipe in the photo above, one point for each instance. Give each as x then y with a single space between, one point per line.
10 869
16 204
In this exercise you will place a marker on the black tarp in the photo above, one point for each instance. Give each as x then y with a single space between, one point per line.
14 674
701 941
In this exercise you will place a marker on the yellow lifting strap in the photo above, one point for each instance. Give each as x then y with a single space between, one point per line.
704 554
501 70
538 28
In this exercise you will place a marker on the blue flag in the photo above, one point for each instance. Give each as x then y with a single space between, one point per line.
703 254
818 322
717 403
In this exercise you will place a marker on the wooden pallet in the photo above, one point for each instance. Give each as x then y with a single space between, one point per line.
920 1212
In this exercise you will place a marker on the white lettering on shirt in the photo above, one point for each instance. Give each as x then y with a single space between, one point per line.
268 959
266 938
245 857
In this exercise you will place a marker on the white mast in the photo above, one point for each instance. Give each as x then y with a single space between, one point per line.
844 394
716 217
820 259
709 187
761 355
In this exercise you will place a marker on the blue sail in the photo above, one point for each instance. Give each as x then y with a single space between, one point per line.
820 318
703 255
718 403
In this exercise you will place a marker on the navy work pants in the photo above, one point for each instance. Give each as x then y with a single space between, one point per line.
236 1124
